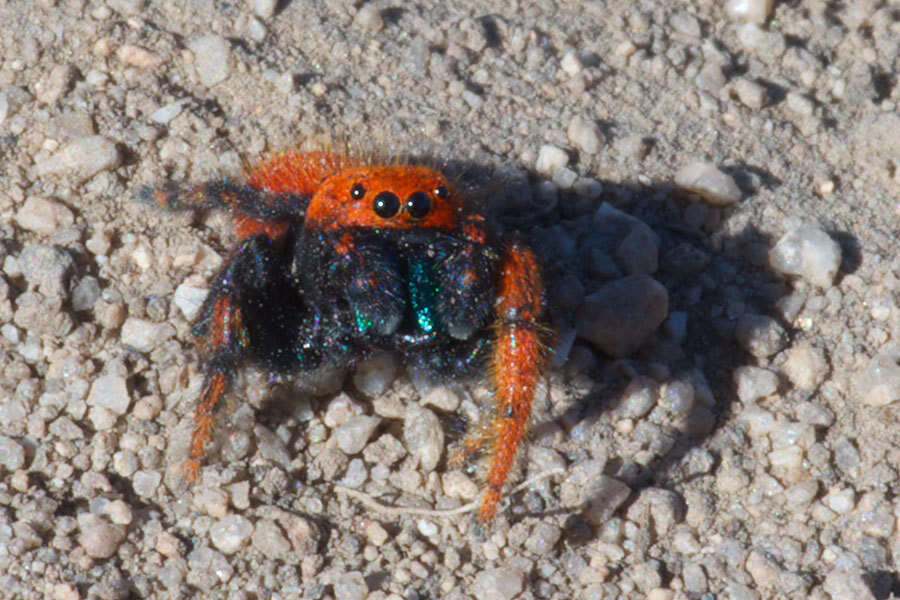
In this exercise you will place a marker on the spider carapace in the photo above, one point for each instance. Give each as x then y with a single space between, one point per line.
337 257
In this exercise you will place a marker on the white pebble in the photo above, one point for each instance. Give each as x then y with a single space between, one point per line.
368 17
12 99
43 216
98 538
168 112
264 9
809 253
375 373
189 299
143 335
118 512
788 458
879 383
750 93
753 383
584 135
707 181
12 454
426 527
111 392
229 533
81 159
212 59
841 501
749 11
805 366
354 433
549 159
424 437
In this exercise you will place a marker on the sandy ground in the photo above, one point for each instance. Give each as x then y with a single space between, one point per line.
746 448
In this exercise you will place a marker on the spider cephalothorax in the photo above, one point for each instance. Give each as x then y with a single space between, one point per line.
336 258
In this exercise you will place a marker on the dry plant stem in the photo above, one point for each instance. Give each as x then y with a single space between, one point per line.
369 502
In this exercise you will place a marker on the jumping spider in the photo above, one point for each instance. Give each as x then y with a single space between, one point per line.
337 257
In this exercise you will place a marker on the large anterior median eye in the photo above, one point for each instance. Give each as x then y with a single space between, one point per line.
418 204
386 205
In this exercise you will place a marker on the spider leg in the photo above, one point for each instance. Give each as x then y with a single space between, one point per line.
226 322
518 356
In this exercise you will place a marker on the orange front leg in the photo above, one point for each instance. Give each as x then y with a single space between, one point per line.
518 357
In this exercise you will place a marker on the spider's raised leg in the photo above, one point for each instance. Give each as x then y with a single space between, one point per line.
518 356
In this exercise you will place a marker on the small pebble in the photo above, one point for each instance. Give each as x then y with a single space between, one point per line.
459 485
376 534
270 446
846 581
809 253
751 94
350 586
375 373
212 501
165 114
879 383
368 18
143 335
424 437
212 59
570 63
99 538
47 269
622 315
12 99
136 56
264 9
549 159
85 293
118 512
639 397
753 383
760 335
43 216
598 494
189 300
270 541
56 84
749 11
805 366
111 392
800 104
354 433
707 181
543 538
503 583
229 533
12 454
841 501
584 135
639 251
81 159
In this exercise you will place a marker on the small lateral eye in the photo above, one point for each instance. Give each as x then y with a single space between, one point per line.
418 204
386 205
357 191
442 192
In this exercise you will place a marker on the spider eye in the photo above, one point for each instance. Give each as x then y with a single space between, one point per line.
386 205
442 192
357 191
418 205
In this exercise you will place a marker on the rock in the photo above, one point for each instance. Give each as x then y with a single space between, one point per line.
271 447
85 293
749 11
264 9
270 541
751 94
760 335
47 269
368 18
809 253
43 216
229 533
459 485
622 315
111 392
56 84
136 56
189 300
143 335
598 494
584 135
503 583
12 454
118 512
212 59
386 450
98 538
879 383
639 251
708 182
81 159
753 383
354 433
423 437
805 366
549 159
146 482
375 373
350 586
12 99
543 538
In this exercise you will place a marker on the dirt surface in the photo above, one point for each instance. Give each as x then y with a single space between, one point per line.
747 447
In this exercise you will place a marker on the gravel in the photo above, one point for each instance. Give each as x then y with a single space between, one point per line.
724 429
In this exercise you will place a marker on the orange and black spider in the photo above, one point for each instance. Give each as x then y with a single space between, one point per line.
337 257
